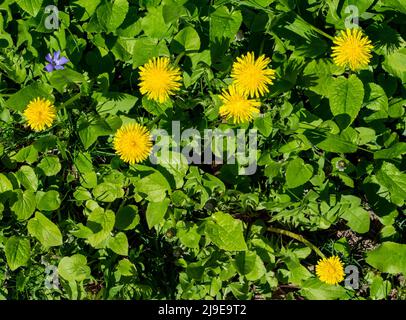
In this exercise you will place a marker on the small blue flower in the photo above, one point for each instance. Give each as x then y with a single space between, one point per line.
56 62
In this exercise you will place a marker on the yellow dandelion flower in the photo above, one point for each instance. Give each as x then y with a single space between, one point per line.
40 113
237 105
330 270
252 76
132 143
352 49
159 79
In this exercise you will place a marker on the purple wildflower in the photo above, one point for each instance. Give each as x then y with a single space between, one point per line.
56 62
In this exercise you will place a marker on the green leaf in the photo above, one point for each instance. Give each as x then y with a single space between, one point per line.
89 131
225 232
390 177
114 102
153 186
48 201
264 125
297 272
380 289
395 64
346 97
83 162
365 135
391 5
101 223
74 268
27 154
240 290
357 218
376 98
126 268
17 252
389 257
25 204
337 11
147 48
154 24
318 76
258 4
298 173
345 142
45 143
156 212
85 8
314 289
393 152
82 231
27 178
224 25
44 230
32 7
127 218
176 164
172 10
19 100
250 265
111 14
60 79
154 107
188 234
108 192
5 184
81 194
88 179
186 40
245 262
397 108
258 272
119 244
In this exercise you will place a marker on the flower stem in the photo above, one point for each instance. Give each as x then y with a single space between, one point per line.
70 101
261 48
152 122
297 237
180 56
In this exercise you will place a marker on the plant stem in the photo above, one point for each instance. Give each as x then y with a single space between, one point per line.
70 101
151 123
261 49
180 56
297 237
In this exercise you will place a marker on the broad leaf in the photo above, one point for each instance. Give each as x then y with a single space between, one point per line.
390 177
17 252
48 201
389 257
225 232
346 97
74 268
156 212
25 204
44 230
298 173
119 244
27 178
